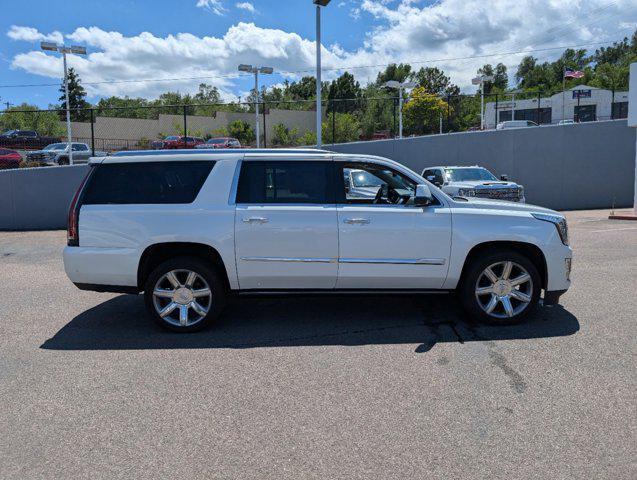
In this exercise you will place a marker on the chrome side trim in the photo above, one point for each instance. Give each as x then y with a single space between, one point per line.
288 259
396 261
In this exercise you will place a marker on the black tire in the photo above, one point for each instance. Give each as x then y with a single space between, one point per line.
63 161
474 273
207 274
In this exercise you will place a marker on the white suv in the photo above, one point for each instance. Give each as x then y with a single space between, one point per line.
190 228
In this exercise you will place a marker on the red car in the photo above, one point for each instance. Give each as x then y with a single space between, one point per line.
9 158
220 142
177 141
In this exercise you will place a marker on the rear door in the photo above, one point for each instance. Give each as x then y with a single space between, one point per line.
286 236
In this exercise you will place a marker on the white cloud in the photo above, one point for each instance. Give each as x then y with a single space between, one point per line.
247 6
215 6
30 34
404 31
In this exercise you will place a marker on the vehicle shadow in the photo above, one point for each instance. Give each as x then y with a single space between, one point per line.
122 323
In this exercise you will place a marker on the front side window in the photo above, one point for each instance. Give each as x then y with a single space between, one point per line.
375 184
285 182
146 183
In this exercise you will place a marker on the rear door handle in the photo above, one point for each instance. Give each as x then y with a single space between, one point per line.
356 221
255 220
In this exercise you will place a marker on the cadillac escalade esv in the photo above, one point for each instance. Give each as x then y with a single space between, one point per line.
190 228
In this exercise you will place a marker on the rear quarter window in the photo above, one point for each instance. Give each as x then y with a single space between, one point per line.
146 183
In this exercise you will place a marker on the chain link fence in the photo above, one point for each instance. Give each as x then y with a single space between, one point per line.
293 123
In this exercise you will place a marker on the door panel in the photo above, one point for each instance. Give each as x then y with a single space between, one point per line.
286 246
393 246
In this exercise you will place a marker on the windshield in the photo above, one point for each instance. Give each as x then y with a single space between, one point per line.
469 174
172 137
216 141
55 146
365 179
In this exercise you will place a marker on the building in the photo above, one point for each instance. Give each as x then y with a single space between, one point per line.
581 104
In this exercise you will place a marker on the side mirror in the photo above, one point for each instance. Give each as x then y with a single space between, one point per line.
504 178
423 195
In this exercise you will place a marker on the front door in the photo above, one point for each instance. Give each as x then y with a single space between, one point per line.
386 242
286 236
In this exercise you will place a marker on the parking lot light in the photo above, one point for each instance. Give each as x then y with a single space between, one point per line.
319 110
480 80
63 49
256 71
400 86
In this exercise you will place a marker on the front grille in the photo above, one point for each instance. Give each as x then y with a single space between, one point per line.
510 194
36 157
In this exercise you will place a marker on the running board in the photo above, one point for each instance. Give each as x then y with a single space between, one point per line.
327 292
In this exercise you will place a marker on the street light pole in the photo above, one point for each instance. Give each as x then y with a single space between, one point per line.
480 81
256 70
400 86
319 107
63 49
68 109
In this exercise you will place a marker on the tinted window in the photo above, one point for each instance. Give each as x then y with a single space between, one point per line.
157 182
469 174
79 147
285 182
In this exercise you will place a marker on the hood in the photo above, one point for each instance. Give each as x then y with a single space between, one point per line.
486 204
484 183
46 152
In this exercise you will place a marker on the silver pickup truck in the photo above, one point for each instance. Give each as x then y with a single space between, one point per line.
58 154
474 181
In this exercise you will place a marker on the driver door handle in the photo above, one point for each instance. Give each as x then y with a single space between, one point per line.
356 221
255 220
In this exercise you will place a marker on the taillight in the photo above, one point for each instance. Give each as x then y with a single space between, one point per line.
73 220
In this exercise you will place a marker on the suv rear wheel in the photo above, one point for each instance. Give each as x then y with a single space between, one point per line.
500 287
184 294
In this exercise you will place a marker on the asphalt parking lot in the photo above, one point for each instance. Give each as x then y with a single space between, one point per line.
354 387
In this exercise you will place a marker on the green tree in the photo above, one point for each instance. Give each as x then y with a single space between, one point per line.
423 112
77 96
400 73
29 117
340 128
344 93
242 131
434 80
377 110
500 77
284 136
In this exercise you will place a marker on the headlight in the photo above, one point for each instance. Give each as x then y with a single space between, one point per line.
558 221
466 192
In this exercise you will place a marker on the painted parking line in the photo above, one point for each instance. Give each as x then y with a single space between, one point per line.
610 230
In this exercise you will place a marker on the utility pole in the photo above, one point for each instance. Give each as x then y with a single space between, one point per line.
400 87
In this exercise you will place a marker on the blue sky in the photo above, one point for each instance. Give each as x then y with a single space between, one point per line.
208 38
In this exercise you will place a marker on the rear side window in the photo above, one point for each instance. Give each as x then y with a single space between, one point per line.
285 182
146 182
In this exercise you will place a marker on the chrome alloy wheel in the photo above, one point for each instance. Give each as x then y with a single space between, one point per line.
182 297
504 289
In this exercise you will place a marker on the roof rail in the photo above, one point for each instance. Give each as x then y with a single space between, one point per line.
194 151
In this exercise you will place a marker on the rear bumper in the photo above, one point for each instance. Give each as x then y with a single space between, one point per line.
101 266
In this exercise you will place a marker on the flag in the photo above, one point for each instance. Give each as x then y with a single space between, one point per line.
573 74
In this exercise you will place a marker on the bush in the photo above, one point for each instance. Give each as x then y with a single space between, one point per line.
341 128
285 137
242 131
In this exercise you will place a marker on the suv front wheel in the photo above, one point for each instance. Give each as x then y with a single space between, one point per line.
500 287
184 294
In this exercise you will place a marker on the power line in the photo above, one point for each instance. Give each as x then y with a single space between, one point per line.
339 68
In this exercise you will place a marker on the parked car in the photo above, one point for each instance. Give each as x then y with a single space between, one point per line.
474 181
58 154
25 140
221 142
188 231
9 158
515 124
175 142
